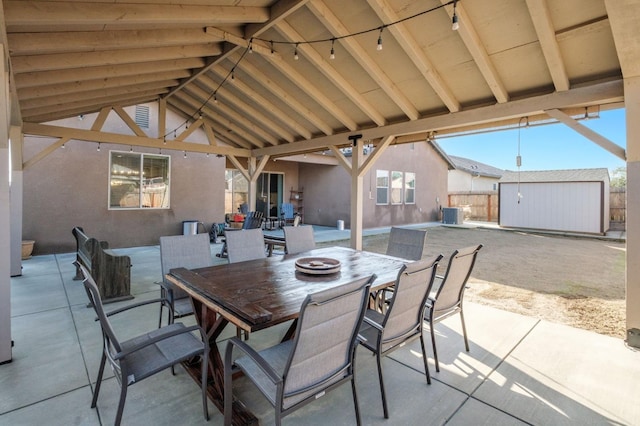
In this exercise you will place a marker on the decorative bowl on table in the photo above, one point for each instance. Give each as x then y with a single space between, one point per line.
317 265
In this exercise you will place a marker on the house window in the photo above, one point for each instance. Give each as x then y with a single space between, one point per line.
409 188
236 191
138 181
396 187
382 187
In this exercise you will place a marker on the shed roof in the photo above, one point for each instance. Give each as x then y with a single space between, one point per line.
475 168
574 175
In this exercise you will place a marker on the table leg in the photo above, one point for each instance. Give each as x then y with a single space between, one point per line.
213 324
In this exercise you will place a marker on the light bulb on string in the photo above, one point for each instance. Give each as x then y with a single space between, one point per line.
379 46
332 55
185 154
295 53
98 146
454 19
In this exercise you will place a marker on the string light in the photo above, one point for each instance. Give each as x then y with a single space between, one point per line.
130 148
98 146
185 154
454 19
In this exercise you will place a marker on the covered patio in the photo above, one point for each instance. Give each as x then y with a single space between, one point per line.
270 79
520 370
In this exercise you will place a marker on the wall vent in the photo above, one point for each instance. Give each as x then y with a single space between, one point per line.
142 116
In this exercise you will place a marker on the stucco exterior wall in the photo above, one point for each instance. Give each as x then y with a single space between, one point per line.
460 181
70 187
328 189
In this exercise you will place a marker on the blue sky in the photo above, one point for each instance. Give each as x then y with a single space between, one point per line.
549 147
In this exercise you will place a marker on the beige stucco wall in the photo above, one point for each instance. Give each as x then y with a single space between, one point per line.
462 181
70 186
328 192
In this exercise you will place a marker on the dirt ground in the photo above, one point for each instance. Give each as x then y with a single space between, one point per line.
569 280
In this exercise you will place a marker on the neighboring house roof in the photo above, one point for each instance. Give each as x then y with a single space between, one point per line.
475 167
574 175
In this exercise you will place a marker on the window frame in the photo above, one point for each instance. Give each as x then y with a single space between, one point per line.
143 186
408 189
382 174
394 177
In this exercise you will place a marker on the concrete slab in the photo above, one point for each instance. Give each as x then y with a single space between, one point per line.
46 360
70 408
492 333
565 376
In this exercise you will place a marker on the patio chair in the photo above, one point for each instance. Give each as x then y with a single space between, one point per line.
402 322
299 238
245 245
136 359
187 251
252 220
320 357
288 215
406 243
447 299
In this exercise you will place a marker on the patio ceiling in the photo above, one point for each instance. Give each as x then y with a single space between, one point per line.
507 60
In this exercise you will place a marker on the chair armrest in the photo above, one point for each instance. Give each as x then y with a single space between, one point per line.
136 305
373 324
251 353
157 339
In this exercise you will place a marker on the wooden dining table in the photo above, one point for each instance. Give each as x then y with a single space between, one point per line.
259 294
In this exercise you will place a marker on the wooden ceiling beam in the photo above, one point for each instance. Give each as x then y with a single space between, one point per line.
71 112
93 103
90 85
280 93
474 45
360 55
44 78
66 13
222 133
36 129
68 97
295 77
245 120
278 11
329 71
62 61
602 93
313 91
249 140
420 59
249 110
92 41
266 104
541 17
624 16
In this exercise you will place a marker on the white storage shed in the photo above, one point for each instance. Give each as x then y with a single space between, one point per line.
555 200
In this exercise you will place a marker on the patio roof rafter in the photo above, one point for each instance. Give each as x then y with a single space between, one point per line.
602 93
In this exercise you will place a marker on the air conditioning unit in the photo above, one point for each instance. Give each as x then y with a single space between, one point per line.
452 216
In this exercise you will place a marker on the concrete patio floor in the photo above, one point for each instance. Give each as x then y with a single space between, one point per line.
519 370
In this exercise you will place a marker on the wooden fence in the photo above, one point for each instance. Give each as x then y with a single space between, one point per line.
483 206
